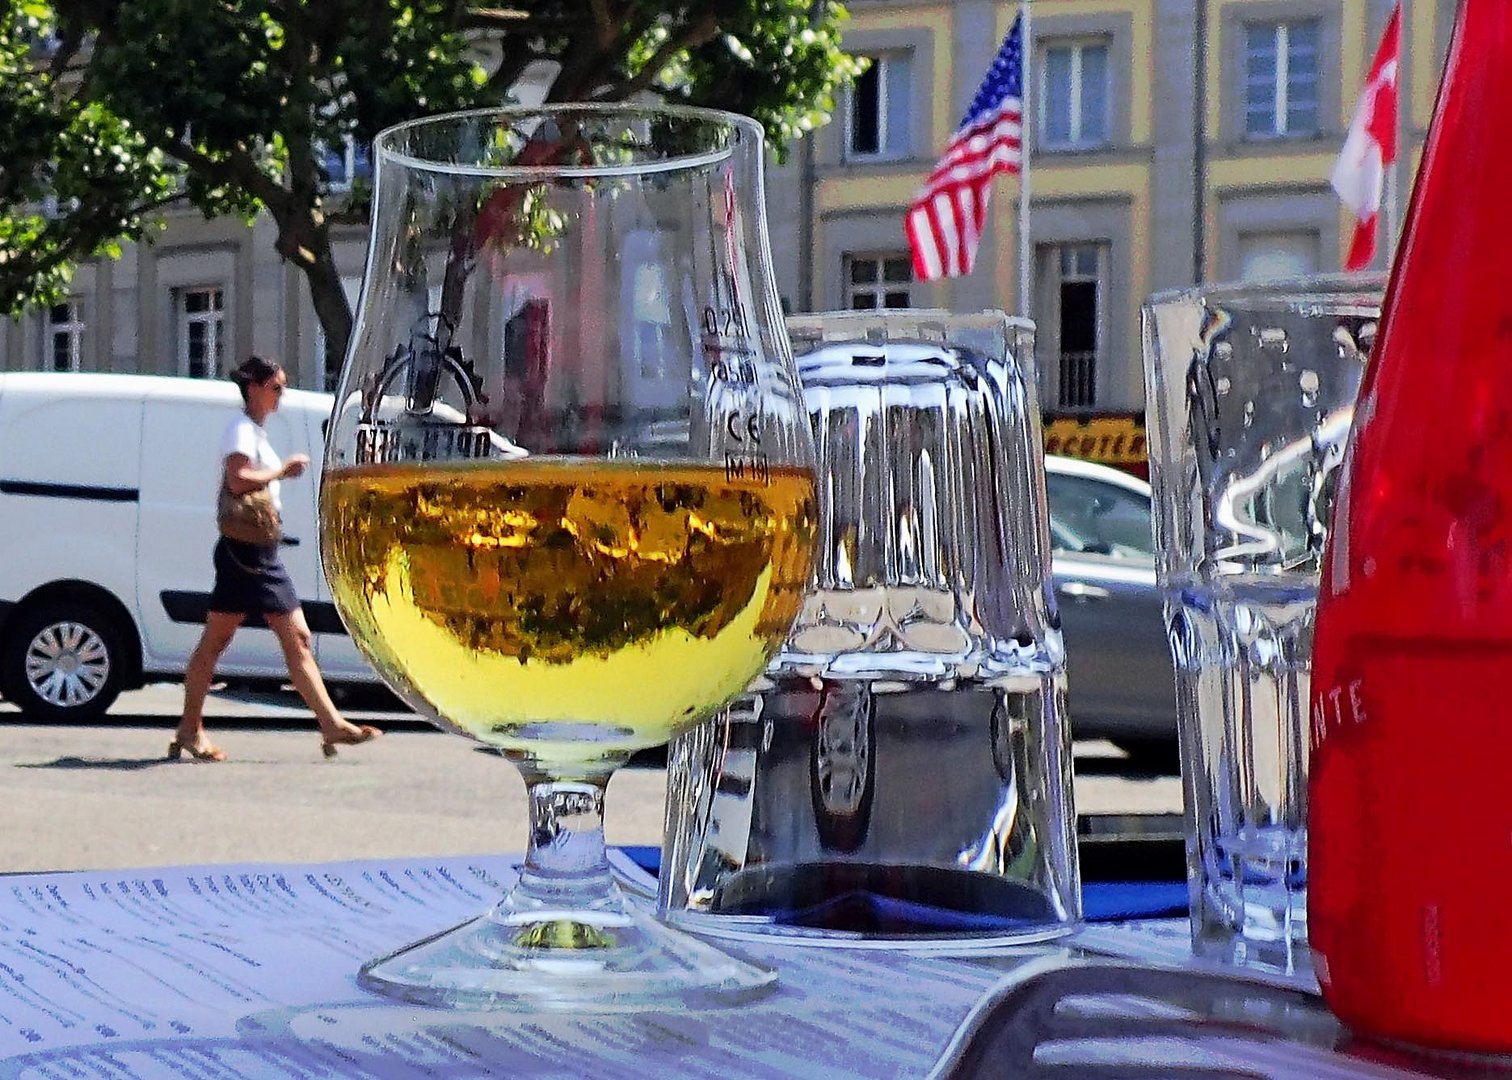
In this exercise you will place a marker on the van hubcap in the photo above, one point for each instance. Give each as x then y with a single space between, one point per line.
67 664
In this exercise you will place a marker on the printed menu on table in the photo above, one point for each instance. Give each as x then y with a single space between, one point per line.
249 970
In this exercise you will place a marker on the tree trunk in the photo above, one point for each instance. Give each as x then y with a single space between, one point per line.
304 240
331 306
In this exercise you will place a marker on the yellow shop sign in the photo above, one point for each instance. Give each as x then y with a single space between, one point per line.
1115 439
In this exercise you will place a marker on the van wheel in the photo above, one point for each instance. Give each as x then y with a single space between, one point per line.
62 661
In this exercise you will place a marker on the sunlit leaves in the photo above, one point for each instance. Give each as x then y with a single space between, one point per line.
779 61
232 104
74 179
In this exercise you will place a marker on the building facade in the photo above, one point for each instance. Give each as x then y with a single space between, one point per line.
1169 142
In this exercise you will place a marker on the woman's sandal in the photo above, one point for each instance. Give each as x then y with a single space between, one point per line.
208 752
364 733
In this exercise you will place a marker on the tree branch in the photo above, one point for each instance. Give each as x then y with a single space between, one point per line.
304 188
239 170
156 204
586 61
72 239
64 57
604 24
697 33
506 21
497 14
14 285
91 214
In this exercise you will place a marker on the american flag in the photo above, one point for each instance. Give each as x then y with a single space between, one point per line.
945 222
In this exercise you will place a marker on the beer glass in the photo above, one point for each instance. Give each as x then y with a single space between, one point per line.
568 504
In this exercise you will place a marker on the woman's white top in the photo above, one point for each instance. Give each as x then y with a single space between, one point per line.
250 440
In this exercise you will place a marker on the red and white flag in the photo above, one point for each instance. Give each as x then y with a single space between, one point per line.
1360 172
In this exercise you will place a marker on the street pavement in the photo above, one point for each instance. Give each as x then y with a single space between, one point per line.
102 796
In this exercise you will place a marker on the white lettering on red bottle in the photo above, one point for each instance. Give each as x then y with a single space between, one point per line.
1356 705
1336 707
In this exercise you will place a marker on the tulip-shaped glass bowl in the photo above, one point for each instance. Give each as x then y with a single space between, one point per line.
568 503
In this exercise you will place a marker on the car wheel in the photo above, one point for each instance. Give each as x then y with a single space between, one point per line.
843 768
62 661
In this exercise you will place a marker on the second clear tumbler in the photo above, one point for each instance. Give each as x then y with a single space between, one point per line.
1250 390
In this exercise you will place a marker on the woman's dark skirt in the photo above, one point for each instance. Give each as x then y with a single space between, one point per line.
251 580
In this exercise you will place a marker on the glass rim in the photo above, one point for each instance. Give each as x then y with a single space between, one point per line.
384 150
1332 291
990 317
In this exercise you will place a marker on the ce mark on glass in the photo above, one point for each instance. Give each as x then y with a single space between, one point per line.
743 428
746 460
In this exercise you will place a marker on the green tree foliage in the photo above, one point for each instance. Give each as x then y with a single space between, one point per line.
227 104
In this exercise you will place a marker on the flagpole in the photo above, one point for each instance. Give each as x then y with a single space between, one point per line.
1026 145
1393 210
1403 109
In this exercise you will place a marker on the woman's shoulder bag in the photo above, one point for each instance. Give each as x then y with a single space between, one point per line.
250 518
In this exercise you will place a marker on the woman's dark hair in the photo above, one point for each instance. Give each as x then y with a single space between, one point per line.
252 371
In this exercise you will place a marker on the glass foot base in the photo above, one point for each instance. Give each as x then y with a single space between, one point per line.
621 959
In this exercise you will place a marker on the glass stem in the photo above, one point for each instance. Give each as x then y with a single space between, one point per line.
566 861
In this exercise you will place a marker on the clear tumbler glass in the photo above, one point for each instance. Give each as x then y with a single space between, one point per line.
901 773
1250 390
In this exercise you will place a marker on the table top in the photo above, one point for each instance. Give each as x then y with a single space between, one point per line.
249 970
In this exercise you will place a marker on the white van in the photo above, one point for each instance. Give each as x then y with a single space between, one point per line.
107 522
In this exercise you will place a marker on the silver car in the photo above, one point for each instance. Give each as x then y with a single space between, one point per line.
1118 664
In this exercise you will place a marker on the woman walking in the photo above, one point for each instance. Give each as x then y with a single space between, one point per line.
250 579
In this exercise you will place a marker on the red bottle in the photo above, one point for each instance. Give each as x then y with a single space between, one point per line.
1410 805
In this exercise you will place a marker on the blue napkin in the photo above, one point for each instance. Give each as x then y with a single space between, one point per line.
1115 901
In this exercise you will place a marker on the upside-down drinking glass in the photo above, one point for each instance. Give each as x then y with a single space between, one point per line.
568 504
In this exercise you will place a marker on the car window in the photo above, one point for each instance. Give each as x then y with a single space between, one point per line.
1107 518
1287 508
1063 539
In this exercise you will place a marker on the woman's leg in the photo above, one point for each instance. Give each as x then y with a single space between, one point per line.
220 628
294 635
